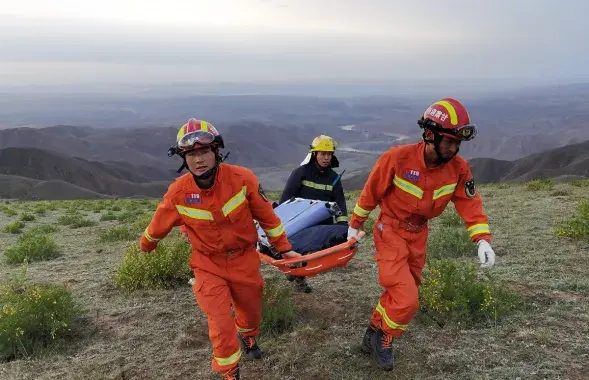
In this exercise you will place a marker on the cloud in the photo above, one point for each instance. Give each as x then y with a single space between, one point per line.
273 40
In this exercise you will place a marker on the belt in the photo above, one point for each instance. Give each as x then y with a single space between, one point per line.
223 253
415 225
234 252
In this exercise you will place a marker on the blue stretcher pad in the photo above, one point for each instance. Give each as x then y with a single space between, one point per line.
298 214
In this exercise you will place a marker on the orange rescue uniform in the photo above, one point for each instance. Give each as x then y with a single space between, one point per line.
409 194
220 224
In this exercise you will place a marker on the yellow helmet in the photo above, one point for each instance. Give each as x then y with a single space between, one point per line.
323 143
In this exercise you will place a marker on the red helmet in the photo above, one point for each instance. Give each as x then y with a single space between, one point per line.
450 118
198 132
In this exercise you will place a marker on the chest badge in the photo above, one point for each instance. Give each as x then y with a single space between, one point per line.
411 174
193 198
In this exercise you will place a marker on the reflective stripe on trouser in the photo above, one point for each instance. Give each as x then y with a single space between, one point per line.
215 296
400 256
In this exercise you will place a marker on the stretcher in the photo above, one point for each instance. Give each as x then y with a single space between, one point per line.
318 262
298 214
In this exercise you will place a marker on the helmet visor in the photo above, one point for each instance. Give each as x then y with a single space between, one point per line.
198 137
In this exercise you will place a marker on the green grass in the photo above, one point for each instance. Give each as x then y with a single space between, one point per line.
34 317
450 218
537 327
14 227
580 183
32 246
165 267
577 226
75 220
450 242
26 217
8 211
454 293
279 313
540 184
117 233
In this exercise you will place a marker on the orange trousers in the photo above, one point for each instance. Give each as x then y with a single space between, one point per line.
229 292
400 256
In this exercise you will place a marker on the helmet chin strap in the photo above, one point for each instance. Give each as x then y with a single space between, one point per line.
436 143
209 173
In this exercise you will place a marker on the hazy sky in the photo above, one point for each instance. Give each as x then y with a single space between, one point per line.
156 41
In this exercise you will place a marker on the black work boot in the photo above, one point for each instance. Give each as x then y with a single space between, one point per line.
290 277
250 347
381 344
232 374
302 285
366 346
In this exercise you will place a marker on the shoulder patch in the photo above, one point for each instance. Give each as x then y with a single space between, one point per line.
262 193
470 189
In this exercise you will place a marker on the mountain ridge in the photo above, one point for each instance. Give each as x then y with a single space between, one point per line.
570 161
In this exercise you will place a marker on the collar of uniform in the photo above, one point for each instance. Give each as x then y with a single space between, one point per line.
218 174
421 159
421 156
319 171
220 171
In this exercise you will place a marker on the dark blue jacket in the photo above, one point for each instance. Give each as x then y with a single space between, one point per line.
310 182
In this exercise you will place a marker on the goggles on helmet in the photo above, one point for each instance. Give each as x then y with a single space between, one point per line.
198 137
464 133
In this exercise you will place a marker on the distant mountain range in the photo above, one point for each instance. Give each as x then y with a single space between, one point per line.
566 161
137 127
571 161
122 152
32 173
250 144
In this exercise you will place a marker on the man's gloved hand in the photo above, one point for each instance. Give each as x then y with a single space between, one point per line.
486 254
352 233
290 255
343 223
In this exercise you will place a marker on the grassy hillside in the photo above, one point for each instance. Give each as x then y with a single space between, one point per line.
155 334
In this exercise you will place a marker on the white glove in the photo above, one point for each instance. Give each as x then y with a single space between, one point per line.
486 254
352 233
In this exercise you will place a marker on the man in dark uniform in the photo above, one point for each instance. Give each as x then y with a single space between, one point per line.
316 179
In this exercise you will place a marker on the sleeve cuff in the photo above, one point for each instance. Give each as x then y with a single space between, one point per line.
479 237
356 224
146 245
284 247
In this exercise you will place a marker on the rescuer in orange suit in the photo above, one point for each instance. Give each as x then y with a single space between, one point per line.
215 205
413 183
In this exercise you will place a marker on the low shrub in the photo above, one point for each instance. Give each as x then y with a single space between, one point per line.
450 242
32 246
165 267
116 233
279 312
576 227
453 292
26 217
540 184
14 227
32 317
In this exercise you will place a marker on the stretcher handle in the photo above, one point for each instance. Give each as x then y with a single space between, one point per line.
316 255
